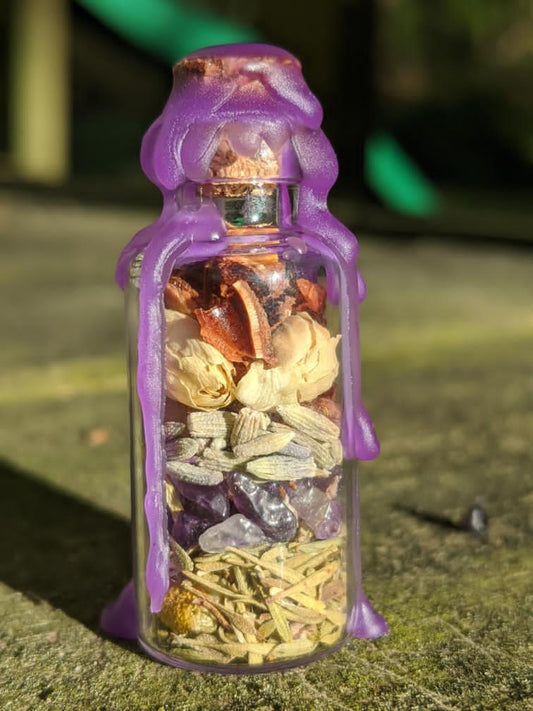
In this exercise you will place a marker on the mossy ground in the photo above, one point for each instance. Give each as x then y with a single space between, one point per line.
448 379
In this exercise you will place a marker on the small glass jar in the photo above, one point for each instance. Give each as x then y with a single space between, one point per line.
256 500
247 419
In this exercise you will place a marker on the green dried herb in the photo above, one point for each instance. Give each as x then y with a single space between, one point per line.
184 559
314 561
278 569
280 621
208 585
240 580
266 629
296 613
314 546
308 583
287 650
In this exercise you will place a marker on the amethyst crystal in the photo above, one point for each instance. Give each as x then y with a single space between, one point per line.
209 502
263 505
324 483
322 515
236 531
187 528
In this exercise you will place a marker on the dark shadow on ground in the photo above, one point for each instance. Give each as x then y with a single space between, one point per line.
60 549
429 517
475 521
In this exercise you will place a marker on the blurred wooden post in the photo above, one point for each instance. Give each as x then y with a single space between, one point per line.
39 90
356 37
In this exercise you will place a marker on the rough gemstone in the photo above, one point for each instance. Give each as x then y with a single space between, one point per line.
324 483
209 502
322 515
263 505
236 531
187 528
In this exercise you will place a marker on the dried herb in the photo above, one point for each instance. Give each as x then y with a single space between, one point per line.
246 423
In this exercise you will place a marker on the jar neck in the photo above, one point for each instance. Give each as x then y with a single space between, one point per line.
251 205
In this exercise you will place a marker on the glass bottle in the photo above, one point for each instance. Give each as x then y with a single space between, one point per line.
246 417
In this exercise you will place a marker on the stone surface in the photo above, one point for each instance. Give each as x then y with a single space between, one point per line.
446 335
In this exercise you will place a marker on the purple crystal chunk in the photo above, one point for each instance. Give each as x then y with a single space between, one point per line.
210 502
263 505
236 531
321 514
187 528
324 483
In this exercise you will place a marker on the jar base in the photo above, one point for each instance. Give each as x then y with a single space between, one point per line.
284 665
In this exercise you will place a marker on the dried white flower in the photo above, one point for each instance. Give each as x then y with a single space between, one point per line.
197 374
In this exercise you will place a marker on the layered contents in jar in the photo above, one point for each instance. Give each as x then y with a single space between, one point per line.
253 465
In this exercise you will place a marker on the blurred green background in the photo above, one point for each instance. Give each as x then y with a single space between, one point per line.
428 104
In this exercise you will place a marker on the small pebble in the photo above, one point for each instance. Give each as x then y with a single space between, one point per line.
476 519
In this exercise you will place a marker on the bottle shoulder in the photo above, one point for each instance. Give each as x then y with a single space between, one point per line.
289 245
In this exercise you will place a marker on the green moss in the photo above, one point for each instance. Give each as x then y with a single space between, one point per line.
448 360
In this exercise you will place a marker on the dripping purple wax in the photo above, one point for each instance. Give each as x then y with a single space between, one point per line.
261 97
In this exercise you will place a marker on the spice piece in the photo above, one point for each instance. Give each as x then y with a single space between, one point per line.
181 555
213 587
312 296
309 582
280 621
281 468
292 649
204 656
320 451
295 450
194 474
258 323
238 327
248 425
240 581
266 629
171 430
218 459
181 296
309 422
211 424
301 614
182 448
242 623
265 444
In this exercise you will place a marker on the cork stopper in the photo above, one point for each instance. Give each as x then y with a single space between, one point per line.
244 65
229 165
229 61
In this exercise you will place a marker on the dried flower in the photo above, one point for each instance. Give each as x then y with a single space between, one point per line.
238 327
261 388
180 613
181 296
307 366
197 374
313 296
